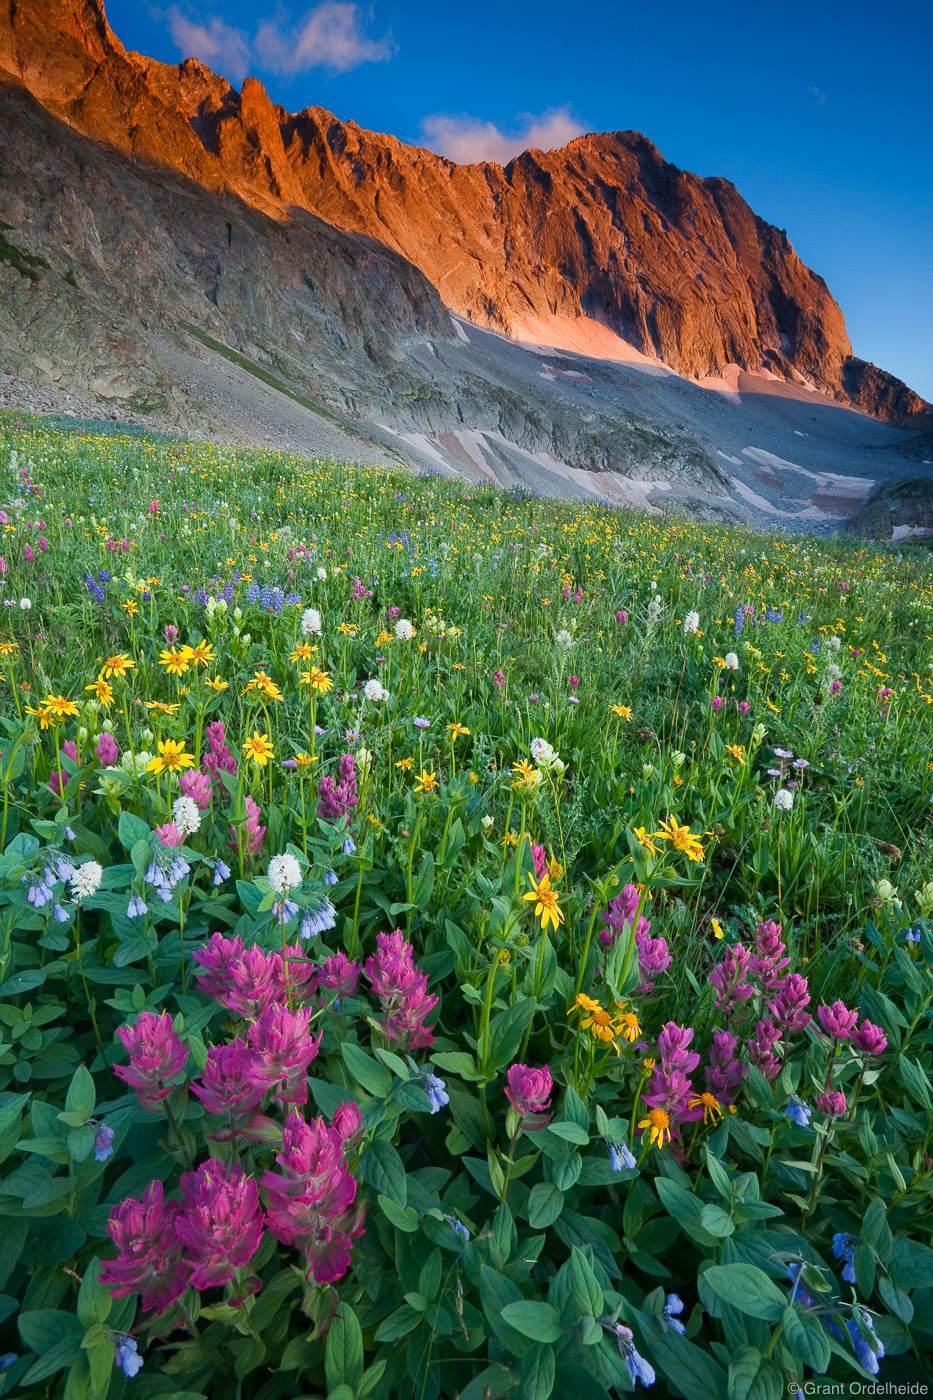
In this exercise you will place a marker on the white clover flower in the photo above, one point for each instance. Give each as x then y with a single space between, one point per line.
547 758
732 661
783 800
654 608
310 622
924 898
404 630
834 672
86 880
691 622
646 770
284 873
374 690
321 575
186 814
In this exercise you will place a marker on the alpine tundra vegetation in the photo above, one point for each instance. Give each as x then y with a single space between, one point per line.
453 943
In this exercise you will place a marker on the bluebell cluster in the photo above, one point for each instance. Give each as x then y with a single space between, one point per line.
165 872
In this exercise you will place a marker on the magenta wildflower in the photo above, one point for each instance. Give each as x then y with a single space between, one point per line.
761 1048
402 990
348 1121
251 833
310 1200
218 755
789 1006
724 1073
670 1087
303 977
770 958
339 796
341 975
730 979
198 787
149 1262
837 1020
529 1090
169 835
157 1057
869 1039
743 707
621 617
107 750
284 1047
498 679
220 1222
228 1087
832 1103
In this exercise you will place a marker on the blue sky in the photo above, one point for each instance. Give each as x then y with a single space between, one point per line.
819 113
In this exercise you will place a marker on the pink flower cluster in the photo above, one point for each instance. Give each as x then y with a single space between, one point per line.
402 991
653 953
157 1058
742 975
670 1087
338 796
311 1198
247 980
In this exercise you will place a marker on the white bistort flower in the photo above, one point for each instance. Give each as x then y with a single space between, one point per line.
186 814
86 880
731 660
25 604
374 690
783 800
691 622
284 873
310 622
404 630
321 575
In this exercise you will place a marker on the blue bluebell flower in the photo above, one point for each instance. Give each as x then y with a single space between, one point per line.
798 1293
349 846
459 1226
798 1112
61 914
673 1307
127 1357
620 1158
844 1247
221 872
436 1091
136 907
330 878
637 1367
868 1346
103 1142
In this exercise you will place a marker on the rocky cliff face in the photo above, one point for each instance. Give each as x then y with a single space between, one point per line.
676 266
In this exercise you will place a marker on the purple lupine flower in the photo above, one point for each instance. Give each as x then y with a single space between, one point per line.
340 974
348 1121
724 1073
220 1222
108 753
157 1057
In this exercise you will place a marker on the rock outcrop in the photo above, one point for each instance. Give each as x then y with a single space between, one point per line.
678 267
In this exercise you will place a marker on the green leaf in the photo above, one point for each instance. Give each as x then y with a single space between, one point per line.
686 1209
506 1031
806 1338
537 1374
538 1321
403 1218
47 1327
343 1354
748 1289
915 1082
131 829
423 884
94 1299
368 1073
383 1170
398 1324
584 1285
716 1221
545 1203
570 1132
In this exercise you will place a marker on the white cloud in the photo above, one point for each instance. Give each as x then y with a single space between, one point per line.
214 42
820 95
329 36
466 139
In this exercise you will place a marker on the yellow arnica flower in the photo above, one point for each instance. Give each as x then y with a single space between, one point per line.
544 898
130 607
681 838
712 1109
630 1026
716 926
737 751
42 715
582 1002
171 757
265 685
304 760
258 749
302 652
658 1127
457 729
103 690
405 763
622 711
118 665
427 782
58 707
9 648
202 654
161 707
645 841
217 684
175 662
524 769
318 681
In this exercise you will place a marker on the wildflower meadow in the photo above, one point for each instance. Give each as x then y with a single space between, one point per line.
453 944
